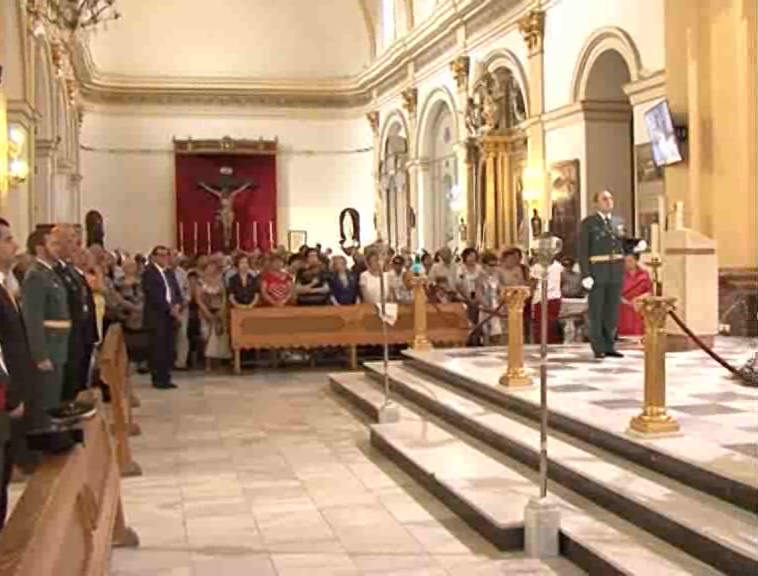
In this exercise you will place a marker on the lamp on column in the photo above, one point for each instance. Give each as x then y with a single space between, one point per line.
534 186
18 166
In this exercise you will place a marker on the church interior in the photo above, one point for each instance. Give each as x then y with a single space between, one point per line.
381 287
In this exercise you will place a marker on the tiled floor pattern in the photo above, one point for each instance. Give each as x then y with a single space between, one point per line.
718 417
268 474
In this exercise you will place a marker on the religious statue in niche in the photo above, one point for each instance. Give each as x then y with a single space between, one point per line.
483 109
226 192
93 222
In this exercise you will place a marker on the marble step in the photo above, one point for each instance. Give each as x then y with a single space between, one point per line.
697 462
490 492
705 527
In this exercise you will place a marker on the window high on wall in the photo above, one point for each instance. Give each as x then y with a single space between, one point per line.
389 22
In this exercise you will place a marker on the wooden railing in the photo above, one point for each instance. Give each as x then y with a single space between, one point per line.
70 513
349 326
114 371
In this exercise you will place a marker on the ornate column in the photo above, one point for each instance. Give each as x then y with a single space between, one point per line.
378 216
532 28
516 375
654 419
490 195
410 104
42 204
460 68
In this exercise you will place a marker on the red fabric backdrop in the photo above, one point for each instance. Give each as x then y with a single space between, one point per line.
196 207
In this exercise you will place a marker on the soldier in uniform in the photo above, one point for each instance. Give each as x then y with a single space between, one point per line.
601 259
48 323
83 333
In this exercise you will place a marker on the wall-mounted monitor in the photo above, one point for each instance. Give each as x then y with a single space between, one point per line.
667 148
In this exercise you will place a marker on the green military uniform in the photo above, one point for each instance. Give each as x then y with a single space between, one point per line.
601 256
46 315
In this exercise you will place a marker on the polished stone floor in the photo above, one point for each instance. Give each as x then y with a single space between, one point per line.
718 417
270 474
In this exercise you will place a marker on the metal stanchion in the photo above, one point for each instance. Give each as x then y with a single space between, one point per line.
389 412
542 516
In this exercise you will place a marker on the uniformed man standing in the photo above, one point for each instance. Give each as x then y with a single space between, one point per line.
82 335
45 309
601 259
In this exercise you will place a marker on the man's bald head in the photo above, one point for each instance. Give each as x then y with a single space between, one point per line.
69 239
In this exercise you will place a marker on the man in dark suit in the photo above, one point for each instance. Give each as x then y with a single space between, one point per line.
160 316
601 259
17 369
83 334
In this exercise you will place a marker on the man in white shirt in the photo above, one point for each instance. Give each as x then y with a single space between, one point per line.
370 281
554 272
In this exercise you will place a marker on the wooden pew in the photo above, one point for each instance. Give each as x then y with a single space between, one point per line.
349 326
70 513
114 370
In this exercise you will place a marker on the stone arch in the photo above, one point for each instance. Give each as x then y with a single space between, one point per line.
394 117
503 58
600 42
436 98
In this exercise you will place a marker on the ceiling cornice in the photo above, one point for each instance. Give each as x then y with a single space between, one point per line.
433 37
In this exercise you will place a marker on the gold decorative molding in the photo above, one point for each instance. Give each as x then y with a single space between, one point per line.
410 100
532 28
460 69
226 145
373 121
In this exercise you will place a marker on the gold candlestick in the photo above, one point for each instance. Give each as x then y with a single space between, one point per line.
516 375
181 236
210 248
194 237
654 419
420 337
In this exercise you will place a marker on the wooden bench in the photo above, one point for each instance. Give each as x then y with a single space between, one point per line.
114 371
347 326
70 513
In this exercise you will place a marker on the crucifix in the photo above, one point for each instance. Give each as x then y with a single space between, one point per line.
226 192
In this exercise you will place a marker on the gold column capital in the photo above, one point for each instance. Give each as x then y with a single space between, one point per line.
532 28
460 68
373 121
515 297
410 100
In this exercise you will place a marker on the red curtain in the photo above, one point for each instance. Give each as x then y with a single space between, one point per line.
196 209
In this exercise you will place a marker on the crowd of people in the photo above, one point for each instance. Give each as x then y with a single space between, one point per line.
58 298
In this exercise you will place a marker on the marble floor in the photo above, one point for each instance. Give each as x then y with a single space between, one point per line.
270 474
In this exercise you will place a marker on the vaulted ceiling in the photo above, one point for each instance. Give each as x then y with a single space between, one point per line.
245 39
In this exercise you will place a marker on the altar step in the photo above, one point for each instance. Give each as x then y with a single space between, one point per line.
735 483
490 491
715 532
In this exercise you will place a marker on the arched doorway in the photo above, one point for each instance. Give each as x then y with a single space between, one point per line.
609 62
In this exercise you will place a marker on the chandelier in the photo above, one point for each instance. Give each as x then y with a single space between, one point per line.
70 17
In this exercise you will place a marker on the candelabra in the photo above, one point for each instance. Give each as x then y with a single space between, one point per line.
69 17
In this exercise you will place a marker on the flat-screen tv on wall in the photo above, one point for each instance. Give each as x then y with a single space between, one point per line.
660 128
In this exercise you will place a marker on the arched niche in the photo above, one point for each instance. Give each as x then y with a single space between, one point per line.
598 44
501 60
395 218
440 201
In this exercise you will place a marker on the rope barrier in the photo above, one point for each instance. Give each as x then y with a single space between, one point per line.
742 374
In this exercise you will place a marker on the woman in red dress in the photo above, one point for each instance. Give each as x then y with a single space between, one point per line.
637 284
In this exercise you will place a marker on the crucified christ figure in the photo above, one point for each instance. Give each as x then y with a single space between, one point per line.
225 213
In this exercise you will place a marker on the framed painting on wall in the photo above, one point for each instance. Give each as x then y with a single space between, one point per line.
564 198
295 239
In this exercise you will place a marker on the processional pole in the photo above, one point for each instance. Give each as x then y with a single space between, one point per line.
542 517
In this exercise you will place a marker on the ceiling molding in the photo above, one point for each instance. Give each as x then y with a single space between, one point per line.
425 44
